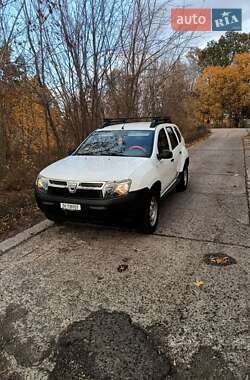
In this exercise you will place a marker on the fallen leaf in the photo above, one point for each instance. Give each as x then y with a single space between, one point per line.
220 260
199 283
122 268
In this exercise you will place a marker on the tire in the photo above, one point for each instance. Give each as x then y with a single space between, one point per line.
183 181
57 218
150 213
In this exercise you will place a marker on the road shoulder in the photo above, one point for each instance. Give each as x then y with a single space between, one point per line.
246 145
13 242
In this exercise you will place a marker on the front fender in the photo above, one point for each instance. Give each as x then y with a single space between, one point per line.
145 176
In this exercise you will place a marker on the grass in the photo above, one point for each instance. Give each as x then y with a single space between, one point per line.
18 209
17 212
199 134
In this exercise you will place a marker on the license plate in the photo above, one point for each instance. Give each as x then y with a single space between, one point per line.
70 207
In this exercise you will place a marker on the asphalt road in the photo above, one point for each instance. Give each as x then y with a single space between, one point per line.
68 313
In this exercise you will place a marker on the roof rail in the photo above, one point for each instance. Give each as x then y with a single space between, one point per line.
107 122
154 120
159 120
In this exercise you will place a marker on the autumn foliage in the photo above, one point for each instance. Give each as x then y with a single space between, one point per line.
223 93
26 128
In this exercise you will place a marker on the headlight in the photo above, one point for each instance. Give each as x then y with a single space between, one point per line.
42 183
114 189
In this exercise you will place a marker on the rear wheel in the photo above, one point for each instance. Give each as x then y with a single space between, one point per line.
183 180
150 213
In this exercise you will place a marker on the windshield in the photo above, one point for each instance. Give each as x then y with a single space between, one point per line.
128 143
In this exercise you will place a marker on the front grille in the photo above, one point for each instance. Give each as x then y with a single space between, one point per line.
80 193
90 184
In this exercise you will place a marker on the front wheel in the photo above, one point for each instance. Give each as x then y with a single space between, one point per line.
150 213
183 181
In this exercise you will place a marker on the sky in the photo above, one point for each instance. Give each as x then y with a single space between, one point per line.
207 36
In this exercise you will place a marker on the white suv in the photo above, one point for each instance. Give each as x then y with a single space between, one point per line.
124 167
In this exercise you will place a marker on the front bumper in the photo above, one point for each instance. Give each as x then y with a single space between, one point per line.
129 204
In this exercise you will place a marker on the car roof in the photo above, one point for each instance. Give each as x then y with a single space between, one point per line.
142 125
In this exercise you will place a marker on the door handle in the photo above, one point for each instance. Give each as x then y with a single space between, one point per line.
172 160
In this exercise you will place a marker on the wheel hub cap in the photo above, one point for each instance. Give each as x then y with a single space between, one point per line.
153 211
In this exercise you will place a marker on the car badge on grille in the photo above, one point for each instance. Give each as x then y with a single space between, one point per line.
72 186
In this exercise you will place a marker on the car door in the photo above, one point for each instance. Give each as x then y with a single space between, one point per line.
178 136
175 147
165 166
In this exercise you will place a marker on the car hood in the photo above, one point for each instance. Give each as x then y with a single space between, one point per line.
93 168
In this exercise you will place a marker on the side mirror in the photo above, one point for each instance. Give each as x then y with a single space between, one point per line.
165 154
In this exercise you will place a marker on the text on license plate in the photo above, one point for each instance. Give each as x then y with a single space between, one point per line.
70 207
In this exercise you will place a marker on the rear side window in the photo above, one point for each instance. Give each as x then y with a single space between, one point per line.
178 133
173 138
162 141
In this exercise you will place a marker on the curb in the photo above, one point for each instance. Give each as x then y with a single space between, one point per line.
246 145
13 242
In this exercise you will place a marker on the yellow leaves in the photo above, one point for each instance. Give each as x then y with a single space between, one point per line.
224 89
199 284
219 260
242 60
26 125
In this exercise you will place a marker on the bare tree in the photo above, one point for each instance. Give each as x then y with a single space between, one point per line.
85 47
36 15
95 57
146 41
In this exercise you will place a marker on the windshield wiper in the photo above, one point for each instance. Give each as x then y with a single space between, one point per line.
99 154
108 154
114 154
84 154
